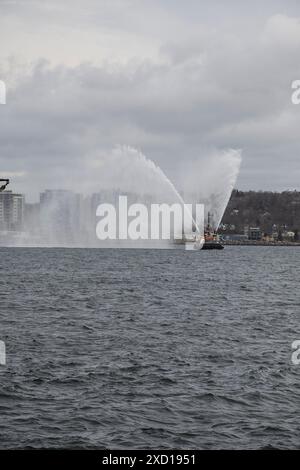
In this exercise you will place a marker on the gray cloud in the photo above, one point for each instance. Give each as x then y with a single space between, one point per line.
191 85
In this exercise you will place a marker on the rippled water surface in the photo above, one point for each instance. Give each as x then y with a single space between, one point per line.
150 349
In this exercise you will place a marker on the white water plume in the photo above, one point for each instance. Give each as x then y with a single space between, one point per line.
126 169
65 217
210 181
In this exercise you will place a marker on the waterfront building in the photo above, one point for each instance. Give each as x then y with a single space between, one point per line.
11 211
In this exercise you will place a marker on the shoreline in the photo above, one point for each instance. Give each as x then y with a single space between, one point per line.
257 243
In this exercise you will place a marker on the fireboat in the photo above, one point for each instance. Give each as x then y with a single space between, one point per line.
211 238
195 241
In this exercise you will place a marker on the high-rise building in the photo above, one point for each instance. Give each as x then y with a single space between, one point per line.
11 211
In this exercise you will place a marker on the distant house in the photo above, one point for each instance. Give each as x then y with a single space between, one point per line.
254 233
289 236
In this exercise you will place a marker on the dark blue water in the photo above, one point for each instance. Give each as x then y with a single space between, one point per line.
150 349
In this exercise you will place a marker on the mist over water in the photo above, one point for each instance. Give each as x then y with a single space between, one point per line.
210 178
128 170
210 181
68 217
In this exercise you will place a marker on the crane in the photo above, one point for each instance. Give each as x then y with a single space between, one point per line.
3 186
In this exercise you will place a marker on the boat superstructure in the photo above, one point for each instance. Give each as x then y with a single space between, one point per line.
211 237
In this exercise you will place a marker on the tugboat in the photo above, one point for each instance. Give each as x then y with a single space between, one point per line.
211 238
195 241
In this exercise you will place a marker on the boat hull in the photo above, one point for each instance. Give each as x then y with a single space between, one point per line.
212 246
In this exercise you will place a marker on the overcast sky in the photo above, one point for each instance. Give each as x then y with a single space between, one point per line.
176 79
